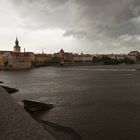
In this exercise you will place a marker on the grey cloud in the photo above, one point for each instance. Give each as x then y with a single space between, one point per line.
77 34
42 14
89 15
52 3
108 21
104 20
131 27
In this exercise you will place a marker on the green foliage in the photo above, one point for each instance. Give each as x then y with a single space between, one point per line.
96 59
110 61
127 60
53 61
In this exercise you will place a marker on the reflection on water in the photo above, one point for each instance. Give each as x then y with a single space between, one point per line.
99 102
101 69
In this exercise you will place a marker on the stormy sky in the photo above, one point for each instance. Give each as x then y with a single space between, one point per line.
89 26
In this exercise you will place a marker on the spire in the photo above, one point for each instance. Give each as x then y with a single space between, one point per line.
16 47
17 42
61 51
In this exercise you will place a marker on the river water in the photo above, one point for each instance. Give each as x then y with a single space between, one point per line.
99 102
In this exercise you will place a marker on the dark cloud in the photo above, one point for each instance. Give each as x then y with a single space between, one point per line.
109 17
40 14
54 3
88 14
77 34
104 20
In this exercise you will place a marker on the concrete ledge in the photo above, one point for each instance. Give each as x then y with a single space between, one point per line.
16 124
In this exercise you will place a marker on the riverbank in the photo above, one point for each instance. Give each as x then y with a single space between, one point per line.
56 131
16 124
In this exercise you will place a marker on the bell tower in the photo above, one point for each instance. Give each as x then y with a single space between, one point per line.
16 47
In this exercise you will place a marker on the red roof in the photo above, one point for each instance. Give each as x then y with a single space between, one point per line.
20 54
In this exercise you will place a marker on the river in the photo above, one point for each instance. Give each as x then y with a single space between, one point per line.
99 102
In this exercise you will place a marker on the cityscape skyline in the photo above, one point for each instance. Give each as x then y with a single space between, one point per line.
17 59
43 50
72 25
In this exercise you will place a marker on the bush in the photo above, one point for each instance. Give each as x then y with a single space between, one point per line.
109 61
96 59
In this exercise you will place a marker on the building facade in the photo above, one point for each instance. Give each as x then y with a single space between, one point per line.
15 60
134 55
64 57
83 58
42 58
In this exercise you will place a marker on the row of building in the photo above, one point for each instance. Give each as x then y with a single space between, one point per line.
26 60
16 59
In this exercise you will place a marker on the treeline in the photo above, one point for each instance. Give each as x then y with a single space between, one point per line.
95 60
110 61
53 61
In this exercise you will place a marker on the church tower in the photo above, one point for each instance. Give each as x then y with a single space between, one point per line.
16 47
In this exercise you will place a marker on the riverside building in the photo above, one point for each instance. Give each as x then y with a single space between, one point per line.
15 60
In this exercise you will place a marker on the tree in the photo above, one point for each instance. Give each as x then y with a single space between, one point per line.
96 59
